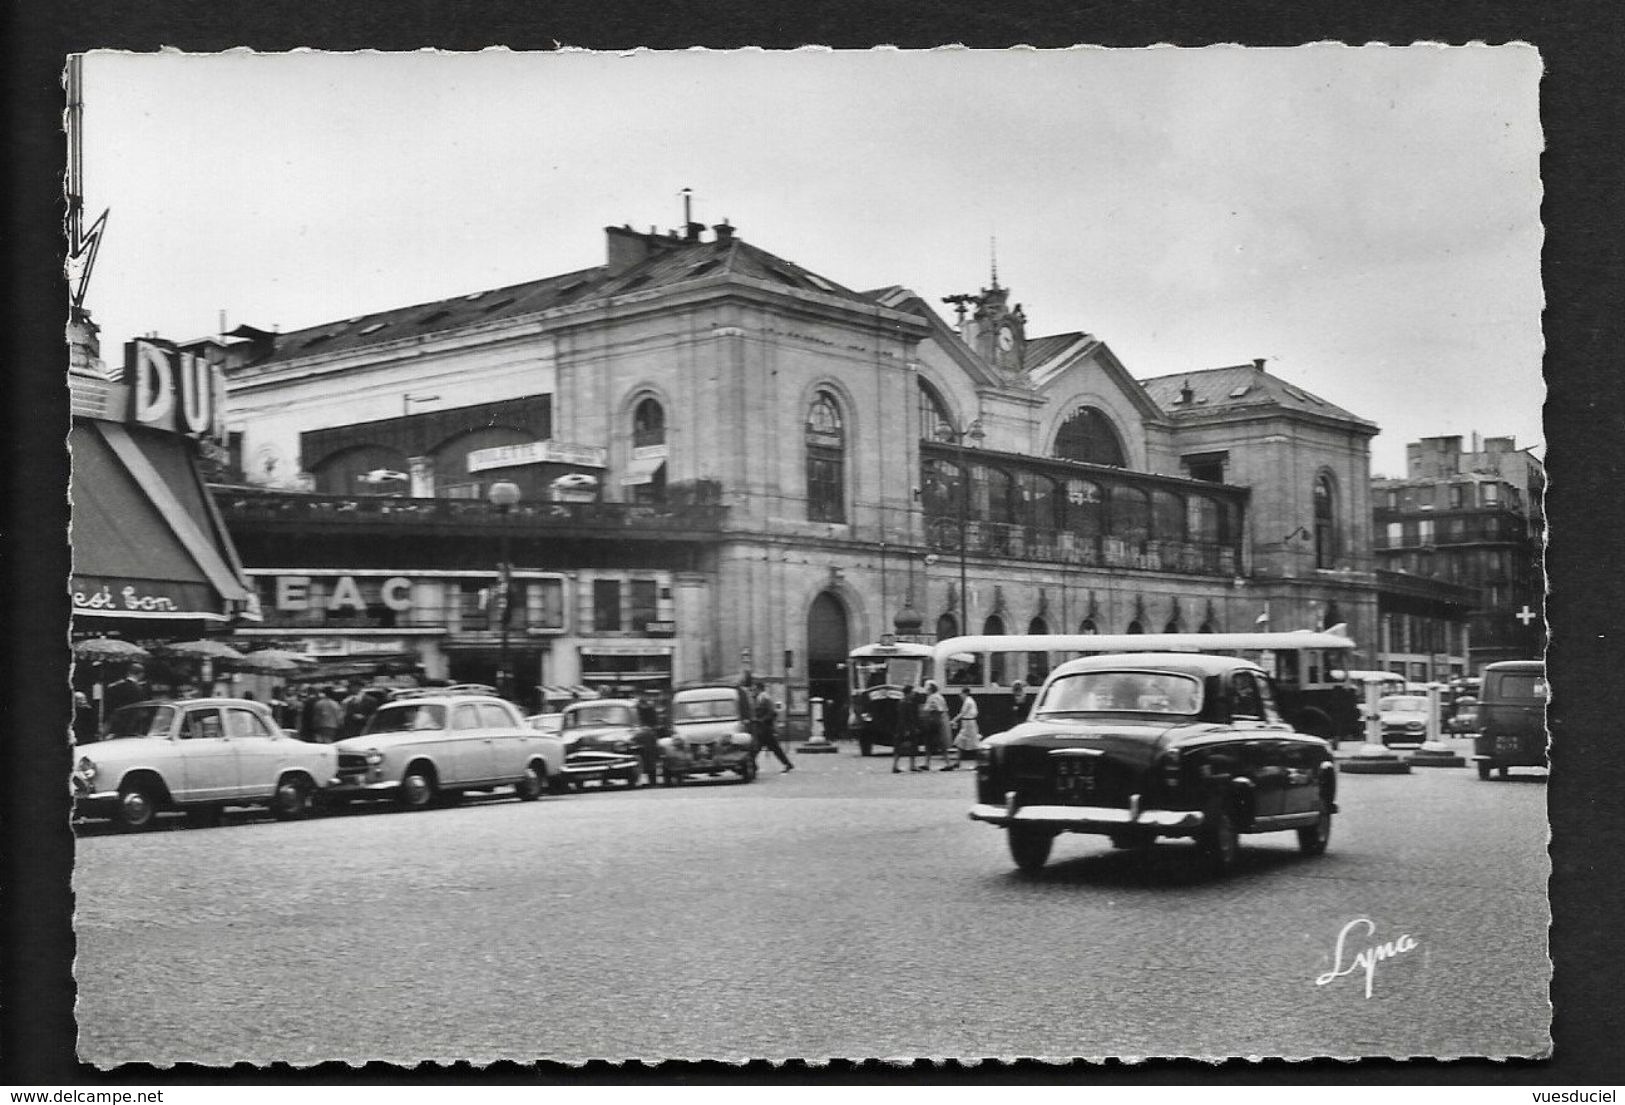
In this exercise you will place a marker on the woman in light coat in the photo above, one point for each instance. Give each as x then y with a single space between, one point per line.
966 735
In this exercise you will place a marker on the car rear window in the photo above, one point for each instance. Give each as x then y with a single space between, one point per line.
1521 685
1141 692
711 708
141 721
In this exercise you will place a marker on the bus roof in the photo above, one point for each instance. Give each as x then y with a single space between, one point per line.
1333 638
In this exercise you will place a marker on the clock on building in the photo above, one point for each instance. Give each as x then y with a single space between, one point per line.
1007 337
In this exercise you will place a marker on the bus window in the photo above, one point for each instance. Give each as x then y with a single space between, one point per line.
1001 666
963 669
886 671
1286 667
1312 658
1038 666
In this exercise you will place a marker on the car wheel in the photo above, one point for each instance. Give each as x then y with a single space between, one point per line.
747 771
1484 770
1313 840
1029 847
137 807
205 817
1220 843
292 799
530 784
417 789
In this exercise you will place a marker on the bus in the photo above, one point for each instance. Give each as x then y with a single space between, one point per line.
1309 670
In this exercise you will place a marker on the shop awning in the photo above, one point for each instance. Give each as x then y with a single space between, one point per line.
147 540
642 470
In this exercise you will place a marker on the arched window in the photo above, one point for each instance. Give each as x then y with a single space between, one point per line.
648 424
364 470
933 412
1088 627
1090 436
947 626
1325 522
1334 615
999 666
1135 626
1206 627
1172 626
826 461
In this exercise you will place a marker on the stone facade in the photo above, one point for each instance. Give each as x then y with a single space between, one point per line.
863 455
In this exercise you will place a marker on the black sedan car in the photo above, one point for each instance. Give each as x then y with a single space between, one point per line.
1139 747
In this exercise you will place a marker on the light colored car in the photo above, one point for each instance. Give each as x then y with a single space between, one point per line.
710 734
431 747
199 755
1404 718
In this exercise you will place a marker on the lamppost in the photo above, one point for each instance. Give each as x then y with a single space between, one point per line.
949 432
503 495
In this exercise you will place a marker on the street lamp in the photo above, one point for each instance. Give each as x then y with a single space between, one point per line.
503 495
949 432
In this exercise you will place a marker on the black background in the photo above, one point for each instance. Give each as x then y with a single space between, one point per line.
1581 44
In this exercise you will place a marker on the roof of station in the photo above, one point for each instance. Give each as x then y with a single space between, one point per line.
1237 388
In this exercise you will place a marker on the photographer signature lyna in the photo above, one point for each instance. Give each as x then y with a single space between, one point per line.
1349 957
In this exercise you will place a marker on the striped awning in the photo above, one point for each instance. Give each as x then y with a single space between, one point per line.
560 691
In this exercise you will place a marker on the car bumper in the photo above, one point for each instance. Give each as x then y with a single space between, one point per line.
1092 819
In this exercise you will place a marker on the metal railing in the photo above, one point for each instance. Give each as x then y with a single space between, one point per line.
1030 543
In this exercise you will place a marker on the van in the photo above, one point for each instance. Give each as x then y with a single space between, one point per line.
1511 717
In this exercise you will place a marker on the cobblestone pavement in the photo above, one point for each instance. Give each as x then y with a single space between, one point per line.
837 911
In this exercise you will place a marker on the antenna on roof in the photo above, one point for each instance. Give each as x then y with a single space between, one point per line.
993 251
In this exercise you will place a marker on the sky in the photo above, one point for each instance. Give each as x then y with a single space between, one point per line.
1365 218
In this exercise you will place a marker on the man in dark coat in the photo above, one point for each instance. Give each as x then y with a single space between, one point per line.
132 688
908 730
766 713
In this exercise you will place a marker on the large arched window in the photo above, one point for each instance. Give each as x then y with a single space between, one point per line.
933 412
1090 436
826 460
648 424
1325 522
947 626
364 470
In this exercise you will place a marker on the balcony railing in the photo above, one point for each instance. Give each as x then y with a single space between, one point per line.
253 506
1030 543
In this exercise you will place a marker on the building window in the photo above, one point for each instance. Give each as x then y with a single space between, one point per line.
1088 628
1325 523
1455 496
933 412
648 424
1207 467
1089 436
1135 626
645 604
1492 493
826 461
606 605
1424 531
947 626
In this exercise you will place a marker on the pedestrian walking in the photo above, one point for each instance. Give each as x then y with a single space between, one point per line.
84 718
326 717
908 730
766 713
966 734
934 725
1018 703
357 708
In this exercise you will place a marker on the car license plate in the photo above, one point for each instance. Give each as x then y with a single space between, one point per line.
1074 780
1506 744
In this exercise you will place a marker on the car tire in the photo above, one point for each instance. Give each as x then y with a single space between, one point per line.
1313 840
417 789
137 807
747 771
1484 770
1029 847
292 800
1219 843
530 785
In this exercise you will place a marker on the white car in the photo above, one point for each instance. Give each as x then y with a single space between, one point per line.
435 747
199 755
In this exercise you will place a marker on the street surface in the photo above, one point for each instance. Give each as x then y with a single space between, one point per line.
837 911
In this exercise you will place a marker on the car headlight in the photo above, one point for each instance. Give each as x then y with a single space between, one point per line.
1413 725
621 746
375 758
86 767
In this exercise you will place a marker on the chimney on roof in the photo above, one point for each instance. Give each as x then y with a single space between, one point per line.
725 233
1258 363
1187 395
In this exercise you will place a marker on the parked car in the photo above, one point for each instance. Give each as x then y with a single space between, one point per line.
710 734
199 755
1404 718
431 747
550 724
1143 746
601 741
1511 717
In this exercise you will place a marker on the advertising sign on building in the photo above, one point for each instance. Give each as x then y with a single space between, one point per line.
537 452
179 392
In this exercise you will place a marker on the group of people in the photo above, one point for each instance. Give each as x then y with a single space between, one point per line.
324 714
923 724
